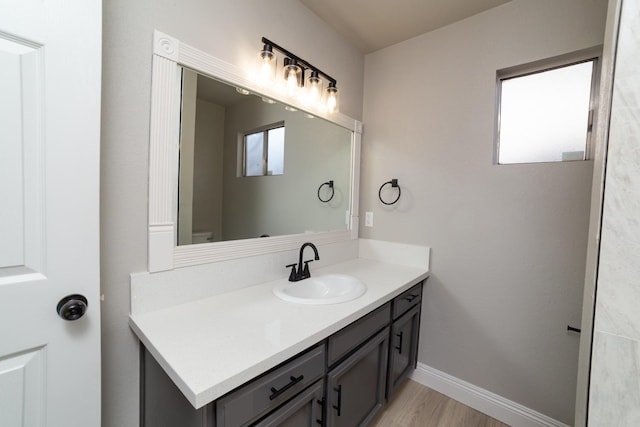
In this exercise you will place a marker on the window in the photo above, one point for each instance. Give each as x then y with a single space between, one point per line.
545 112
263 151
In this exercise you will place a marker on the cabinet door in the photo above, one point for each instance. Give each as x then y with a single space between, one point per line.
356 387
403 352
303 410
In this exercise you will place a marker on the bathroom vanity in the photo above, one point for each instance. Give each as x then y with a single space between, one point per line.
343 379
219 348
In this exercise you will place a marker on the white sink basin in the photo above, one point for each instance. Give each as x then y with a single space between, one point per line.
322 289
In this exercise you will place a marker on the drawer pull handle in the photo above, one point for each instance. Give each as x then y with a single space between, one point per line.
411 297
275 392
321 403
339 405
399 346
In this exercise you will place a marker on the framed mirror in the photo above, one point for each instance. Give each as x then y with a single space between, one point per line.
233 173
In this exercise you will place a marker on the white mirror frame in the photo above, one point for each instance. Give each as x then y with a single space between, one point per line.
168 55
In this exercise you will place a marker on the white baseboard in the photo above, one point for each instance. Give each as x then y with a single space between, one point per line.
504 410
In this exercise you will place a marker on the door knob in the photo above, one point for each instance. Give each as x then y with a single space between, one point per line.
72 307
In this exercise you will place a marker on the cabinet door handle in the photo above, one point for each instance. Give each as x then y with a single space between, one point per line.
321 403
411 297
339 405
275 392
399 346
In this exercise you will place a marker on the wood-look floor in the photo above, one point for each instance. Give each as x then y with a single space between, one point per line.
415 405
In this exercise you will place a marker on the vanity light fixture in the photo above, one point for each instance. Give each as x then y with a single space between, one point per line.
300 79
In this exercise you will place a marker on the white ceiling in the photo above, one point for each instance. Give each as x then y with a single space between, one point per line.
374 24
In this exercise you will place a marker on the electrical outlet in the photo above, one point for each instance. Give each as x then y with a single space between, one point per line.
368 219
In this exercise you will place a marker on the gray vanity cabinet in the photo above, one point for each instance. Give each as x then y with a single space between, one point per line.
356 386
403 342
342 381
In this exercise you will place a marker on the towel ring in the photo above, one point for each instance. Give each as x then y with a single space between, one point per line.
330 184
394 184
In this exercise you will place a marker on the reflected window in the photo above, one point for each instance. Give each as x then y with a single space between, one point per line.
264 151
545 114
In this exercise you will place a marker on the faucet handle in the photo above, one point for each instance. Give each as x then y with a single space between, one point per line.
293 276
305 273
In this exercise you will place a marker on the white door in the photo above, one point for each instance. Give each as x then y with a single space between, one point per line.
50 63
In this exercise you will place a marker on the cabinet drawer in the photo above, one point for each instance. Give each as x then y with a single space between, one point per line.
406 300
256 398
350 337
303 410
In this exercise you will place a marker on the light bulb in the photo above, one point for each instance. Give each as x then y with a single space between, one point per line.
292 84
314 89
303 96
266 65
332 98
292 76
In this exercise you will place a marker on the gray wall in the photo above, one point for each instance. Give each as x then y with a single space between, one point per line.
509 242
615 395
228 29
208 168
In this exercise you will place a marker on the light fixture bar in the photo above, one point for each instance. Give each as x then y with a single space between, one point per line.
299 60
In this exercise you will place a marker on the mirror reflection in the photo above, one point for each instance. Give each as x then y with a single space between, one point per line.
251 168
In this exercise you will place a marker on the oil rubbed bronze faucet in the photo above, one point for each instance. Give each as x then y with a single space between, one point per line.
302 272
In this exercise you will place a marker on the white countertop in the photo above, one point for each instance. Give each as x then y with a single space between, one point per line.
210 346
